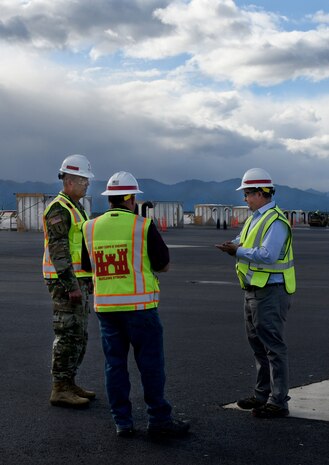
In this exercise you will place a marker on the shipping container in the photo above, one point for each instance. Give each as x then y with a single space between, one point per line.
8 220
165 214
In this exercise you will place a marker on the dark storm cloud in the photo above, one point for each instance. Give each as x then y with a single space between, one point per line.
37 133
47 24
14 28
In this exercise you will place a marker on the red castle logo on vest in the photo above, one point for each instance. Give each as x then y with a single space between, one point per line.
114 264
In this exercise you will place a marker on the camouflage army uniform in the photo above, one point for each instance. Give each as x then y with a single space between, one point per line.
70 320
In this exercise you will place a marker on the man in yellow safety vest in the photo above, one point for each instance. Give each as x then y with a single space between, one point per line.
67 283
265 268
125 251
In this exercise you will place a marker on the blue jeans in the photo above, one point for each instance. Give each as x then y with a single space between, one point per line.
143 330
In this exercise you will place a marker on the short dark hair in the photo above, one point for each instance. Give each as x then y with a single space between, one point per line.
116 200
267 195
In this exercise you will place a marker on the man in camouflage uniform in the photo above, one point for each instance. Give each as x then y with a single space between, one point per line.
68 284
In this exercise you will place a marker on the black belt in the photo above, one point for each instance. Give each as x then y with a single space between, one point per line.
254 288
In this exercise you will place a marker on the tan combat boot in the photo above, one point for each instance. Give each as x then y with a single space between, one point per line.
81 392
63 396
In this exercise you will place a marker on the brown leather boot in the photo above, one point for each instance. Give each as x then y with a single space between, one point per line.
63 396
81 392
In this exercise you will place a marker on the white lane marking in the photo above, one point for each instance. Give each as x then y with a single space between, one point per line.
214 282
309 402
182 246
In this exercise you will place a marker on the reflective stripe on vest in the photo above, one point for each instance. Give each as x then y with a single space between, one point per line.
258 273
49 271
273 266
127 299
87 231
139 284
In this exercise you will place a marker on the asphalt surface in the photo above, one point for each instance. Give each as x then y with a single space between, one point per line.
208 364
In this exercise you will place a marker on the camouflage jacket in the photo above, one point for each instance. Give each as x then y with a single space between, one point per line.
58 223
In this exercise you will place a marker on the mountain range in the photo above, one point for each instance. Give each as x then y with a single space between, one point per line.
190 193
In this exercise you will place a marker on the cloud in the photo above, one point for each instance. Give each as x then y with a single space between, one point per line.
316 147
319 17
242 46
224 42
101 26
165 89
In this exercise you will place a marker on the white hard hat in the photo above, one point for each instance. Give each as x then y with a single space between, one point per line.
122 183
77 165
255 177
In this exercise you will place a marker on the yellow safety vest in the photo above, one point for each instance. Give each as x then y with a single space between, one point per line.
123 278
75 240
257 274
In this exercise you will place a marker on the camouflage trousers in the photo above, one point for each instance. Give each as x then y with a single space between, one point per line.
70 323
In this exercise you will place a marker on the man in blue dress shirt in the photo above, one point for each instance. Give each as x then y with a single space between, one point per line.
265 268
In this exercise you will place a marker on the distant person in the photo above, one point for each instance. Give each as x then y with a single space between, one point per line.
265 268
67 283
125 251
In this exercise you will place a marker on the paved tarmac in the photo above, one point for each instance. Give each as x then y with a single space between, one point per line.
208 364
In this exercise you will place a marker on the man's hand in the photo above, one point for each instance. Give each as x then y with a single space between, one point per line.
90 287
228 247
75 296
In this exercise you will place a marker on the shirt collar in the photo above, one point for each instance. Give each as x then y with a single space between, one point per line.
264 208
120 207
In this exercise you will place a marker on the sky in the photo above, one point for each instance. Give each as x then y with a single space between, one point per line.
166 89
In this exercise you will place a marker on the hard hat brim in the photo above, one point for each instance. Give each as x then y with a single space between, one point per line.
118 192
82 175
253 186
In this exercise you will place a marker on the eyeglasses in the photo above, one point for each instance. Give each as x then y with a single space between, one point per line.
247 193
